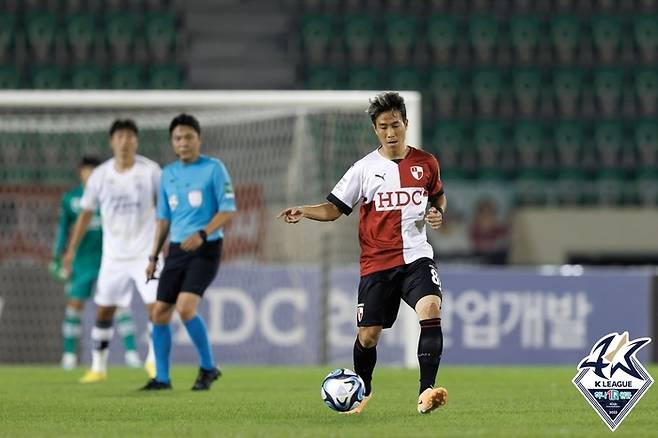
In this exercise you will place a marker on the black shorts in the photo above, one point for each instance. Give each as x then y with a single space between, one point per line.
191 271
380 292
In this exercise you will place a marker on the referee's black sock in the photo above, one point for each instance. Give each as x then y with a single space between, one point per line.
364 363
430 347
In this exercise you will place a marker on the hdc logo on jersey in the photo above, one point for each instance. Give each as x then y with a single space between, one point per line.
385 201
612 379
417 172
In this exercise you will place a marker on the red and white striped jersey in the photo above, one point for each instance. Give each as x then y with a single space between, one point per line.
394 196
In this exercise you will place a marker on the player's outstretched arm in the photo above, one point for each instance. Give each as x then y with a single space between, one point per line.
81 225
322 212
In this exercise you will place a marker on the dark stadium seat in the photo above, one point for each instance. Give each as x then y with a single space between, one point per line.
120 32
568 138
442 35
487 84
488 141
526 87
358 35
565 36
160 32
483 33
48 77
40 31
524 36
645 31
450 146
646 90
606 34
401 35
86 77
444 88
7 30
364 78
608 86
608 141
567 85
403 78
323 78
126 78
166 76
10 77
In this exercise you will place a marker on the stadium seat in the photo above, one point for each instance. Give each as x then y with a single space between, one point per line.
160 32
483 36
646 142
359 34
126 78
323 78
401 33
86 77
317 31
81 33
645 31
567 84
10 77
568 138
606 33
448 144
47 77
405 79
442 37
528 138
527 86
646 187
120 32
486 87
530 188
444 89
572 187
488 143
646 90
524 35
7 29
365 78
608 142
163 77
610 188
565 35
608 86
40 31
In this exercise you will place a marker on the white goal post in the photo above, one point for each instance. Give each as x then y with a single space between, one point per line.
56 112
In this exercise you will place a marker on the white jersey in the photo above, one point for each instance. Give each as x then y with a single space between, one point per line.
127 205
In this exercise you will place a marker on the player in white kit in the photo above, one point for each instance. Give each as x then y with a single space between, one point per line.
125 189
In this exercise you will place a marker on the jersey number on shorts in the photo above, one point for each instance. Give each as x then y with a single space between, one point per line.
435 276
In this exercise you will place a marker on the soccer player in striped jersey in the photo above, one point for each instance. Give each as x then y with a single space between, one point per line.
81 281
125 189
399 190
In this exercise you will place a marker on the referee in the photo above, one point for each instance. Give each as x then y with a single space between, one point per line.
196 199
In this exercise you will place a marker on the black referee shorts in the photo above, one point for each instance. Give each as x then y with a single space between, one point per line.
380 292
189 271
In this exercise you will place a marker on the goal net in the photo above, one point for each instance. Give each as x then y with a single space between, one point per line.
284 293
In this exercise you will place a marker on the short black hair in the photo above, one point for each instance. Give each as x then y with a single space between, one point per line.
185 120
120 124
387 101
89 160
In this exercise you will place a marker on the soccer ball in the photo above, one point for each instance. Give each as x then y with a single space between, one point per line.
342 390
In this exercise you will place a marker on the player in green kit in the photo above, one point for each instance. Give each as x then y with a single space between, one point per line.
80 283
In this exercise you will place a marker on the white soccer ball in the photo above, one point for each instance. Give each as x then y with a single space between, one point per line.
342 390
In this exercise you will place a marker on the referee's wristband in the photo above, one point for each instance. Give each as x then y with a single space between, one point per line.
204 235
153 259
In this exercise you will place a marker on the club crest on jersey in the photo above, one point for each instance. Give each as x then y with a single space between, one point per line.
612 379
417 172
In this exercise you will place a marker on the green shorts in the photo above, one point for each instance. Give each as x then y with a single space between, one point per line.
81 287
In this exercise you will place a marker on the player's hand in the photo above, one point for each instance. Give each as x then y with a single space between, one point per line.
67 262
192 242
291 215
434 218
55 269
150 271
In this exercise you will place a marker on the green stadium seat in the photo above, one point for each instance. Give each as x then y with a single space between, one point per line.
646 187
524 35
645 31
445 88
646 89
323 78
567 84
646 143
610 188
606 33
488 141
120 31
442 35
608 86
365 78
565 35
528 138
47 77
527 86
160 31
126 78
572 187
448 144
483 36
165 77
401 32
486 87
316 31
530 188
405 79
10 78
81 30
568 138
7 30
359 34
608 142
86 77
40 30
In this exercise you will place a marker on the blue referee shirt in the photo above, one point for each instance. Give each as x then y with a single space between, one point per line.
191 194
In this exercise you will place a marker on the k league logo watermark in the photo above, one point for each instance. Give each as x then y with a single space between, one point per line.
612 379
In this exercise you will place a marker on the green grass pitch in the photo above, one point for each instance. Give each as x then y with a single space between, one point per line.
285 402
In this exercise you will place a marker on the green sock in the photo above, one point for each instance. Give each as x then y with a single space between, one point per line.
126 328
71 329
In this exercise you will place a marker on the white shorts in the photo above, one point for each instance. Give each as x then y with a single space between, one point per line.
118 279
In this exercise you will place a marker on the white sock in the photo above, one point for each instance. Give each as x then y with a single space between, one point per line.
101 335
